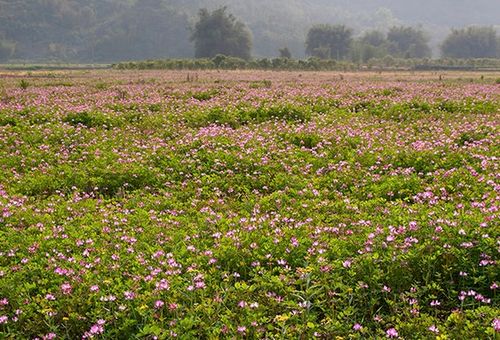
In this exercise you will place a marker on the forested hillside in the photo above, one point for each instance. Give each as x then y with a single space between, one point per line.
92 30
114 30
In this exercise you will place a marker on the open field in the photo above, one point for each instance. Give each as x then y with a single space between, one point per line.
249 204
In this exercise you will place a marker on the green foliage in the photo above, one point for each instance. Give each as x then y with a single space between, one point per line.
267 84
206 95
24 84
232 63
246 115
315 64
228 63
89 119
219 32
7 119
306 140
242 207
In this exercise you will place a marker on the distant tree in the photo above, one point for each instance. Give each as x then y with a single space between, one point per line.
408 42
285 53
326 41
370 45
219 32
374 38
471 42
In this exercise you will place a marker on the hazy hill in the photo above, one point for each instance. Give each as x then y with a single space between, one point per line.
109 30
287 21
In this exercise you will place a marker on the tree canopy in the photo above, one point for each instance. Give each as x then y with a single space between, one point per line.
372 44
327 41
219 32
471 42
408 42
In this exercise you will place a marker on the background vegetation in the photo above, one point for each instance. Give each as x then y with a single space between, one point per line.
112 30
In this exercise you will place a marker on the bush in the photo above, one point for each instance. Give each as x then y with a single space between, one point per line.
24 84
89 119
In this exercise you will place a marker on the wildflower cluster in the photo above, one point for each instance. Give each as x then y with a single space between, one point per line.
141 205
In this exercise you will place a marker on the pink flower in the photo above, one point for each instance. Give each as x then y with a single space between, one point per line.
347 263
162 285
496 325
129 295
413 225
357 327
3 319
159 304
96 329
66 288
435 303
50 297
199 284
392 333
94 288
434 329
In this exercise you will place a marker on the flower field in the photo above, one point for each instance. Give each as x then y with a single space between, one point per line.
248 205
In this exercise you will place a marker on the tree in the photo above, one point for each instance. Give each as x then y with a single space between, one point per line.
326 41
471 42
285 53
374 38
219 32
408 42
372 44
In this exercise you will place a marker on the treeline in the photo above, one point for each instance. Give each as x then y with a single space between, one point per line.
221 62
115 30
219 32
337 42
